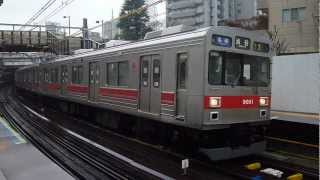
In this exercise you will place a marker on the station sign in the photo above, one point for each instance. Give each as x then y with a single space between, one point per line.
242 43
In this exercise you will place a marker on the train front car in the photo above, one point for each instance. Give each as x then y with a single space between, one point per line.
237 93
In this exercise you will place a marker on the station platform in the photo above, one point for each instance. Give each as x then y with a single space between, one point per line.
312 119
20 160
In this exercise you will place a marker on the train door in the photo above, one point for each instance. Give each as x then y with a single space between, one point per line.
64 78
182 77
94 78
150 85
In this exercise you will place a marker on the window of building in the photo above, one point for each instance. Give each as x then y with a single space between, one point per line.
293 14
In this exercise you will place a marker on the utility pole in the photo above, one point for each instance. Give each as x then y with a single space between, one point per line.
111 24
68 23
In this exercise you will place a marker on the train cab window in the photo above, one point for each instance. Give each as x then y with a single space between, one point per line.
182 70
238 69
215 68
112 74
156 73
123 73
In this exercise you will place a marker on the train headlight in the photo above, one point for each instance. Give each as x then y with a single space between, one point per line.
264 101
215 102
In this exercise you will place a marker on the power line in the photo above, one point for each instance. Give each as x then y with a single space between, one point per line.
55 11
39 12
137 11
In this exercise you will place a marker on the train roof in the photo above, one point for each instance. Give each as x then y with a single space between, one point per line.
149 42
161 40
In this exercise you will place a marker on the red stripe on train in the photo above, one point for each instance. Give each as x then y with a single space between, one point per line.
119 93
233 102
54 86
77 89
168 98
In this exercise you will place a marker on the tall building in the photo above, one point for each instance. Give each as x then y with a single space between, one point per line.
53 27
203 13
110 29
297 23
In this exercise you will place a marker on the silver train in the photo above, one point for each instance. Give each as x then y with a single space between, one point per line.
212 85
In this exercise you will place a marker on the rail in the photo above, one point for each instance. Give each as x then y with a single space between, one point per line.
102 164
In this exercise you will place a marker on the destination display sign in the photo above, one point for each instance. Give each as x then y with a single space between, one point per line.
261 47
242 43
220 40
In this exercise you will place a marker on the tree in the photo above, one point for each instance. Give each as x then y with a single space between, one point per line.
134 19
279 46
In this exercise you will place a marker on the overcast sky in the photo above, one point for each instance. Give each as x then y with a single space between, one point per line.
19 11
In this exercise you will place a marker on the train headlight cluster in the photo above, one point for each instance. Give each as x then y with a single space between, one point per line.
215 102
264 101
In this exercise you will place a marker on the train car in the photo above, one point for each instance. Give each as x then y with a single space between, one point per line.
209 86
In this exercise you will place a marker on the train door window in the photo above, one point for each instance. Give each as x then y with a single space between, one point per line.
145 73
51 77
46 75
74 75
156 73
112 74
182 70
123 73
77 74
54 75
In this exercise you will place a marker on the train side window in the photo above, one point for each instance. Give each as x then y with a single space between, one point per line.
80 74
182 70
156 73
112 74
123 73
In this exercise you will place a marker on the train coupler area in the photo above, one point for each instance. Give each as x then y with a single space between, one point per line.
236 141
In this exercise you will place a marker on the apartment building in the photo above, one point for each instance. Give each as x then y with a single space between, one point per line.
297 23
203 13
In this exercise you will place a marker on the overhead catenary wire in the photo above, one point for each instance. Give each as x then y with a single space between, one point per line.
137 11
55 11
39 12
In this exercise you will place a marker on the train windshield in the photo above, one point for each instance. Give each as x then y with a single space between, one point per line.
238 69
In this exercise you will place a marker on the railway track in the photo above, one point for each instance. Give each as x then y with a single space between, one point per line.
93 164
233 169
